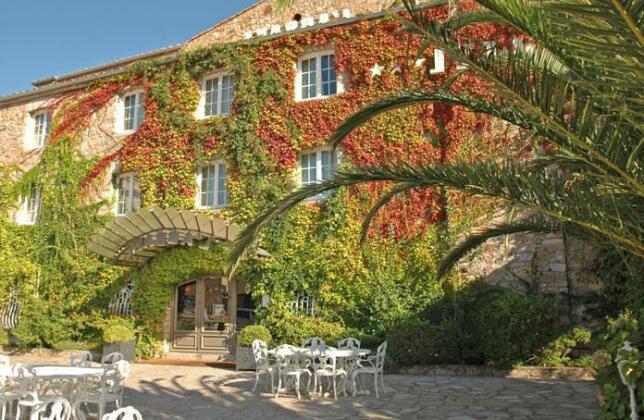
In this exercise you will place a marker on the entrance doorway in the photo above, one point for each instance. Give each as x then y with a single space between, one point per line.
204 315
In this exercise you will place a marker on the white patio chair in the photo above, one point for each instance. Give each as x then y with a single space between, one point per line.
4 360
81 359
8 396
108 390
373 365
58 409
262 362
29 394
349 343
313 342
109 359
325 365
290 369
125 413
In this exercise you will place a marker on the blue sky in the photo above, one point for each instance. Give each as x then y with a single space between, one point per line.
41 38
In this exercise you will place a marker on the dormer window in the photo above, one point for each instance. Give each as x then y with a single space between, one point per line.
29 207
37 130
217 94
132 113
128 196
316 76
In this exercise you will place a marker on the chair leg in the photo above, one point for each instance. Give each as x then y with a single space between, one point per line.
297 386
272 386
382 382
279 385
256 381
375 383
4 410
335 391
18 412
101 410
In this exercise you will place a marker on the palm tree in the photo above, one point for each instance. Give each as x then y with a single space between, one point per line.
577 87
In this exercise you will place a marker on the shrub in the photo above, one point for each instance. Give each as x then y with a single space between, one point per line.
4 338
479 323
558 352
71 345
251 333
117 329
295 329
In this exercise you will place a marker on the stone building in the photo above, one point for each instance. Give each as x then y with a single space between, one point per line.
204 311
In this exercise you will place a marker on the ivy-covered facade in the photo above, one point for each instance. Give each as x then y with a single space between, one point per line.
225 130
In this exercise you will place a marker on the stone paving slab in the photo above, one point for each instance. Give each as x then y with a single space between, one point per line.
164 392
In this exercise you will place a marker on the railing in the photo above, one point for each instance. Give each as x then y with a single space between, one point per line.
303 305
9 312
121 303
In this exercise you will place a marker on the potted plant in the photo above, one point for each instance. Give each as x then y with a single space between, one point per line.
244 352
119 336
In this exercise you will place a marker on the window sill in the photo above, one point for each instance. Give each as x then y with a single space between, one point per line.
318 98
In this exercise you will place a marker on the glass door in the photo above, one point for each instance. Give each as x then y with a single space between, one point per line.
204 315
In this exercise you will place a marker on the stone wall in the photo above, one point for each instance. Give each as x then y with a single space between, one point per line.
545 265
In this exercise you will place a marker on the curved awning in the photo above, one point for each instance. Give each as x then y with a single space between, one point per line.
137 237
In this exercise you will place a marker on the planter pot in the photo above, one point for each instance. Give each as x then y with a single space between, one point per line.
244 358
126 348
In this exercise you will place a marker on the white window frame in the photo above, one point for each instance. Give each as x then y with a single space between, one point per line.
133 187
339 77
199 177
318 163
25 215
34 140
201 109
139 95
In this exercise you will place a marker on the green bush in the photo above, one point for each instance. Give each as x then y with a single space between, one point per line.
477 324
251 333
4 338
117 329
558 352
72 345
295 329
626 327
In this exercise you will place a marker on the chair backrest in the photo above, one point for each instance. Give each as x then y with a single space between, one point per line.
260 353
287 356
109 359
380 356
58 409
314 342
125 413
325 361
349 343
122 368
4 360
81 358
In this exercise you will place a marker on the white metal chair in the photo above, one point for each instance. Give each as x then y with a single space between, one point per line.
125 413
313 342
4 360
57 409
8 396
108 390
349 343
373 365
325 365
109 359
290 368
81 359
29 394
262 362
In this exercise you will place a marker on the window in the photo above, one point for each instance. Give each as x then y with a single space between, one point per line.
317 165
128 197
37 130
28 212
316 76
133 112
217 95
211 183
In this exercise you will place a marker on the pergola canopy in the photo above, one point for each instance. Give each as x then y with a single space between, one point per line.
137 237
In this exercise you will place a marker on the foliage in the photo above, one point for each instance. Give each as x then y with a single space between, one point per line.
559 351
251 333
4 338
626 327
117 329
72 345
477 324
294 329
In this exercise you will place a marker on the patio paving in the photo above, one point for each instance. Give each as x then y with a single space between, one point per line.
196 393
163 392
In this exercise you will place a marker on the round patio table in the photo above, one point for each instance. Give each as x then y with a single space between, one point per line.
57 373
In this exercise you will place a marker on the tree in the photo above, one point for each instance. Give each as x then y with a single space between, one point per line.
575 87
